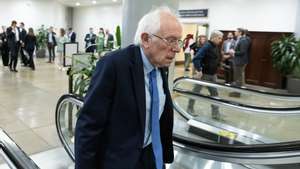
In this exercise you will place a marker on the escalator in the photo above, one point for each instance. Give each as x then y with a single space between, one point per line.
194 150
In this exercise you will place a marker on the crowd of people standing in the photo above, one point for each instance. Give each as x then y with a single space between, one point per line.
15 41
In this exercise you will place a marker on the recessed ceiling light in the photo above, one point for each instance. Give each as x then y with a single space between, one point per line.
94 2
114 0
77 4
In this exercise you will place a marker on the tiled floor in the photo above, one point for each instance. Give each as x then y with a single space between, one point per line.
27 105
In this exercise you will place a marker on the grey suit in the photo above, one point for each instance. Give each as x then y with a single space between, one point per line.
240 60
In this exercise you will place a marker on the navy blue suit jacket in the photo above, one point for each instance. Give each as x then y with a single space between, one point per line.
111 124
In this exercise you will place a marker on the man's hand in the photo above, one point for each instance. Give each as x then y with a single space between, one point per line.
198 75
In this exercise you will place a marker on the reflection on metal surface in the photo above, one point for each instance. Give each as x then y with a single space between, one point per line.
230 133
7 160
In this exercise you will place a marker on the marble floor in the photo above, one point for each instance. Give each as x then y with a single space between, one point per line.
27 105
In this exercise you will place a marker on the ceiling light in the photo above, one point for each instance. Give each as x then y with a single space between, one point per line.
77 4
114 0
94 2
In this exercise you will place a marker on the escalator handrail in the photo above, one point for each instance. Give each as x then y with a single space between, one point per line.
74 100
244 107
17 156
236 88
283 150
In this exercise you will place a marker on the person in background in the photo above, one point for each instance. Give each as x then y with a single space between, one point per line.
228 44
187 42
127 117
13 40
60 47
90 41
30 44
206 62
240 60
51 43
202 39
4 47
23 33
71 35
100 41
110 40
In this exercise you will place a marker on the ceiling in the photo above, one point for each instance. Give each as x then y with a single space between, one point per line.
72 3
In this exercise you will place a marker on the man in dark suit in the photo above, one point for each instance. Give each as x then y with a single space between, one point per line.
51 43
110 39
240 59
23 34
127 118
13 40
72 35
90 41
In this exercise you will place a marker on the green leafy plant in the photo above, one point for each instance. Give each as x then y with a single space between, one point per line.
118 36
41 37
82 77
286 55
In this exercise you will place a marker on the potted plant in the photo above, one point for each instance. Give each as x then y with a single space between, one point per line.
82 75
41 38
286 59
118 36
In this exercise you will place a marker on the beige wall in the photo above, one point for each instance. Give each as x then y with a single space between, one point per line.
187 29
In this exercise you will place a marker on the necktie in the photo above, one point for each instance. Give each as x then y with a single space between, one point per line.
156 142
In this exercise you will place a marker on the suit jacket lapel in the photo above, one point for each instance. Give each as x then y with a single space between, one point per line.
137 74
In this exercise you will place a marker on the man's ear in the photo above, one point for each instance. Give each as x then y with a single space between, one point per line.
146 40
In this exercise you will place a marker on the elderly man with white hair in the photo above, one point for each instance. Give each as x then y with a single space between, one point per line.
206 63
127 118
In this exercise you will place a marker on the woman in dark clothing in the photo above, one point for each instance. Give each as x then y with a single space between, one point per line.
4 47
30 44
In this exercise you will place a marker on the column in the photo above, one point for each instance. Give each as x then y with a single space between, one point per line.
133 10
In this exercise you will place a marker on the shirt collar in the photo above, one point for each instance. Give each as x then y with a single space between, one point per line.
148 67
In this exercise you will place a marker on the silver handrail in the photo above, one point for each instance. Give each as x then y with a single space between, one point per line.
242 89
13 155
245 108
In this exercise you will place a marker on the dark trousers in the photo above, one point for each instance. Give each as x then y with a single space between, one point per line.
5 55
14 50
51 51
228 71
30 62
90 49
23 57
147 159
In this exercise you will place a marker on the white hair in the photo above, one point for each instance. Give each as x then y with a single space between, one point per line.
150 23
215 34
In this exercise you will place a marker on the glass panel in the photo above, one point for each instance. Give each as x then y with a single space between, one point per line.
247 97
238 126
67 121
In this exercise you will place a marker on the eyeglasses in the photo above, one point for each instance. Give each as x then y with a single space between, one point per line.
171 41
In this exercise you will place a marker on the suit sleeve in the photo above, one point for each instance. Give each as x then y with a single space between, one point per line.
243 48
93 115
86 39
199 56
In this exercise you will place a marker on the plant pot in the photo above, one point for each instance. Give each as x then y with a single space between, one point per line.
41 53
293 85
